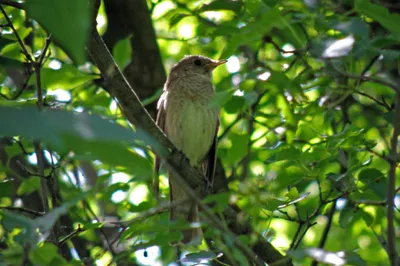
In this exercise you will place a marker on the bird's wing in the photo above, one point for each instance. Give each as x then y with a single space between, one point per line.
160 122
211 159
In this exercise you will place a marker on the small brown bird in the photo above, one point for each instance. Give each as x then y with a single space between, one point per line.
184 114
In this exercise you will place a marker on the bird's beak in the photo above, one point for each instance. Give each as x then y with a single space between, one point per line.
215 63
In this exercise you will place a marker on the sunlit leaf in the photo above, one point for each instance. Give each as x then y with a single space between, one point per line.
67 77
46 255
122 53
13 51
29 185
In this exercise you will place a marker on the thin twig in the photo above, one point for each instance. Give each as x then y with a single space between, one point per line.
327 228
151 212
71 235
296 235
23 210
38 66
366 78
106 238
384 104
304 233
369 65
229 127
21 90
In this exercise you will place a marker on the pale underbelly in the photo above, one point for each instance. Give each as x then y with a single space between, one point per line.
191 128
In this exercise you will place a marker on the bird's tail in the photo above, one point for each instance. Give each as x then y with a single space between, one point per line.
187 210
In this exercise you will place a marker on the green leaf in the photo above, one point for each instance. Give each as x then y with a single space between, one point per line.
22 32
176 19
13 220
219 201
13 255
29 185
122 52
353 26
88 226
80 132
272 204
370 175
374 180
292 194
119 186
69 21
367 217
270 2
113 153
381 14
254 31
6 188
144 205
47 255
239 149
220 98
235 104
347 216
51 125
13 51
67 77
199 256
353 258
232 5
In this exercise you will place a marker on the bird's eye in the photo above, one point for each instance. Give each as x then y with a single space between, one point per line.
197 62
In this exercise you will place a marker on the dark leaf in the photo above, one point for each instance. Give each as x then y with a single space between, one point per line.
63 18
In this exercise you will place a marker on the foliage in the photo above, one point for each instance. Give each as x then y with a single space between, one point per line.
308 138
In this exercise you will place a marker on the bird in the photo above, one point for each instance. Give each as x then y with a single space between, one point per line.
191 123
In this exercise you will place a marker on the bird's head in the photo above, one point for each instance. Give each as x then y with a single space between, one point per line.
194 66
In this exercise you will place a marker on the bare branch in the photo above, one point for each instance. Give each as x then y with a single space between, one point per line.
23 210
365 78
71 235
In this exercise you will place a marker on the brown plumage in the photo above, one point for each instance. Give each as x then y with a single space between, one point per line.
184 114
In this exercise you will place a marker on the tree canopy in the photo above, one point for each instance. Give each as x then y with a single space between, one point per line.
307 168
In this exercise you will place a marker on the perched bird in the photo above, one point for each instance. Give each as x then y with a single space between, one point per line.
186 117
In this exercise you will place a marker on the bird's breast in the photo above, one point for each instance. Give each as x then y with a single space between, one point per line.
191 125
